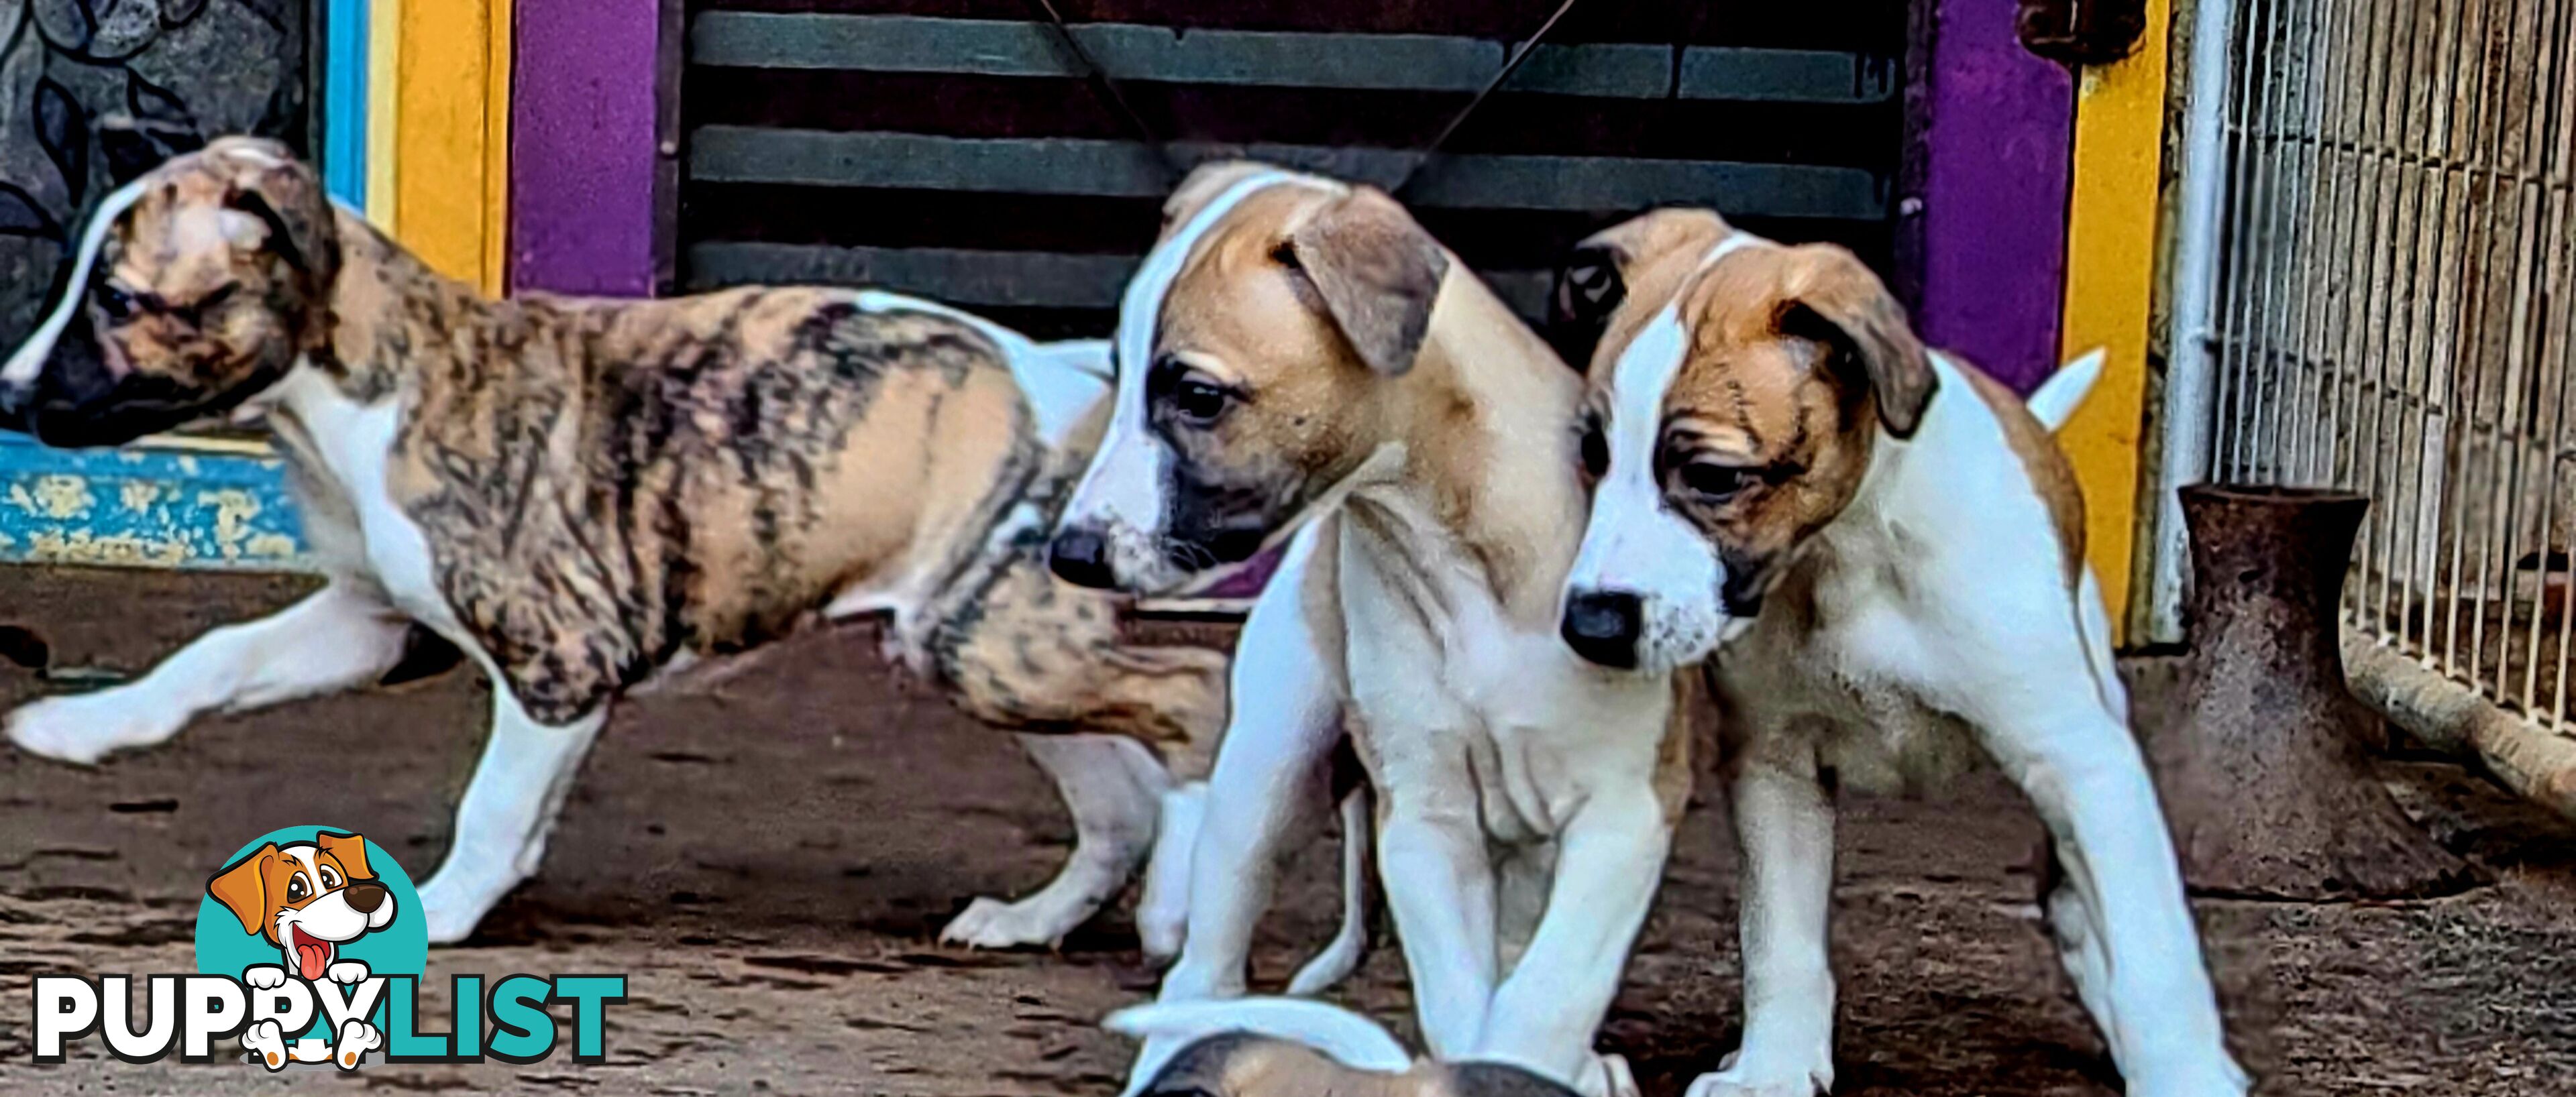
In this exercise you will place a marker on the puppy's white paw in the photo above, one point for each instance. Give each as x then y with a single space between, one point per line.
83 728
265 1041
2213 1076
448 916
992 923
1739 1078
264 976
357 1038
1163 921
347 972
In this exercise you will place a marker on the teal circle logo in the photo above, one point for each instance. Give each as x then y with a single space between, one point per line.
319 904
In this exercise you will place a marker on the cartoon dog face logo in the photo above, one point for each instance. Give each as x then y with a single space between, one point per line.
307 898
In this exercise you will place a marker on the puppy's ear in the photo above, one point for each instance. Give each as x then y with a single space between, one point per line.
1589 287
285 195
348 849
135 147
1836 301
1377 272
242 888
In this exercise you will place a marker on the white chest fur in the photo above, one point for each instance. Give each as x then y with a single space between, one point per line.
1466 707
354 443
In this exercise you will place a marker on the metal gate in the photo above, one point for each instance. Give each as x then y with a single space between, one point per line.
2394 265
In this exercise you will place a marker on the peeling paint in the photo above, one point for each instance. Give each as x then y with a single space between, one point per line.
137 495
207 508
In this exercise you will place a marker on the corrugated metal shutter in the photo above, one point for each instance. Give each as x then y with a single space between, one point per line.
950 148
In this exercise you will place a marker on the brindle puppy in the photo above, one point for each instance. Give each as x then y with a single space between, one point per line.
583 494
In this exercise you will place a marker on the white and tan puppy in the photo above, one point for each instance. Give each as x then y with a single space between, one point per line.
1298 357
1297 1047
1879 550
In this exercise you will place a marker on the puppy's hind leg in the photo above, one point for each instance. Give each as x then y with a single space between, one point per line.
2123 930
509 808
340 637
1113 823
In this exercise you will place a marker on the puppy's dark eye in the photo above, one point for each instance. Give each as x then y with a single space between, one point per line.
1713 482
295 889
114 303
1199 402
1285 254
1596 448
216 299
330 879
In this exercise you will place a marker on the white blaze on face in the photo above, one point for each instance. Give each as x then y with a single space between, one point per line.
1121 494
28 363
1634 543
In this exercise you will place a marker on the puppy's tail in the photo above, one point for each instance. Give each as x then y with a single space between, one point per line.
2057 398
1347 1037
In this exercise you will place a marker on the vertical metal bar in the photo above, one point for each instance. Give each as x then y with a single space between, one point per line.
2281 252
2370 219
2190 422
2531 305
2299 463
2262 364
2340 137
2466 386
2558 184
2432 495
2473 308
2559 181
2241 245
2378 541
2466 163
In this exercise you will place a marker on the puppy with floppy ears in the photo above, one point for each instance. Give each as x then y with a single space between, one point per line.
1299 359
308 899
1294 1047
1879 552
583 494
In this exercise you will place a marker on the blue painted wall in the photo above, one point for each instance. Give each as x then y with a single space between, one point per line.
344 101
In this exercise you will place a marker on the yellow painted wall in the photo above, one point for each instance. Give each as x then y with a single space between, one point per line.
439 141
2110 284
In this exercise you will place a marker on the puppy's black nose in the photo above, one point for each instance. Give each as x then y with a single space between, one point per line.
1602 626
1081 557
364 896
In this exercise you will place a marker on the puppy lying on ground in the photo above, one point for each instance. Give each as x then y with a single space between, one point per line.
581 495
1294 1047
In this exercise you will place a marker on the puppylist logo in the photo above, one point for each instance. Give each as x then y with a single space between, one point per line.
310 946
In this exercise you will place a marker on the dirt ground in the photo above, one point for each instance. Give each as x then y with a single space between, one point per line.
770 864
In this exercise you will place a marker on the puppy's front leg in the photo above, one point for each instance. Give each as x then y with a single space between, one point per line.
1784 825
1271 782
1440 885
337 638
509 807
1545 1015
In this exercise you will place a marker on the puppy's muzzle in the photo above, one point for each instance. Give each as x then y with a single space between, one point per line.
1603 626
1081 557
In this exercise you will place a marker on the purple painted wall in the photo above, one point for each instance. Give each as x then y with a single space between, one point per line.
1998 141
582 157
